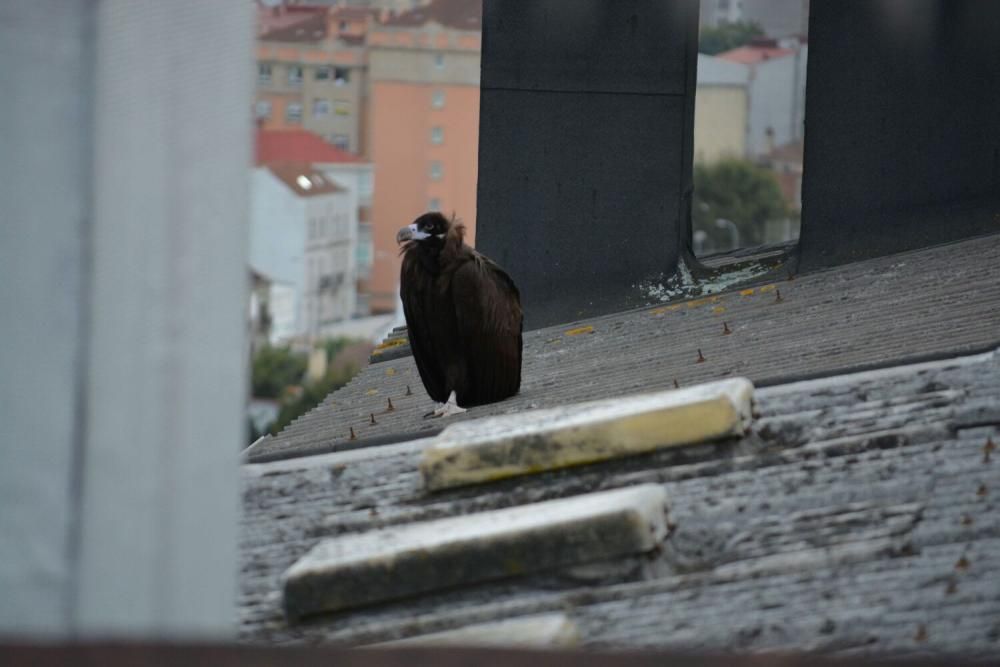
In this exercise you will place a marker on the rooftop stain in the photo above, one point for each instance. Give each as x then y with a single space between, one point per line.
580 330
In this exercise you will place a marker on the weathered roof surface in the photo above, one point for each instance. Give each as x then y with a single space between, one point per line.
858 516
933 302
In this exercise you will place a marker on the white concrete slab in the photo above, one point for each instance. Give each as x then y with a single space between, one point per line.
397 562
497 447
539 631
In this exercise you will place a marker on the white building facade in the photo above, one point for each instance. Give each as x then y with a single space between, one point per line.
304 236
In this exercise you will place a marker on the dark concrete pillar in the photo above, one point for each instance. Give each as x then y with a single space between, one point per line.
902 143
585 149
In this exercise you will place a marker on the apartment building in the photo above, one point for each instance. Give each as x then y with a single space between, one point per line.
311 71
424 125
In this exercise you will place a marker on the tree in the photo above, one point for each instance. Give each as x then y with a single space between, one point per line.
740 192
727 36
275 369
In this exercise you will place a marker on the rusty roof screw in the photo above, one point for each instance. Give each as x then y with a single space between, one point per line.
967 520
952 587
701 357
962 565
372 422
390 408
725 329
791 277
988 449
408 392
677 384
981 491
921 635
777 296
353 437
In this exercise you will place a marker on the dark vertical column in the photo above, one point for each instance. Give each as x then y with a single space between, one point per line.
585 148
902 144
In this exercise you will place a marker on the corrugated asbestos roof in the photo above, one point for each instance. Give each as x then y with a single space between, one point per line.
858 516
934 302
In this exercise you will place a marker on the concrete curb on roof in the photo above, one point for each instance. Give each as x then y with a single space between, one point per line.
542 630
498 447
396 562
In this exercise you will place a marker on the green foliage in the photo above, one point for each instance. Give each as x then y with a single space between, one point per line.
278 374
727 36
738 191
275 369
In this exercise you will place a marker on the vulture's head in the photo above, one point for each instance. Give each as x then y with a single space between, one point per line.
429 231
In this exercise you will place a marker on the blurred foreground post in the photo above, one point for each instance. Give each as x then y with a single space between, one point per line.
125 135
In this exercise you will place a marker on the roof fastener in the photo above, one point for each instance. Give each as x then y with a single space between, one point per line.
952 587
353 437
921 635
676 384
408 392
988 449
390 408
962 564
372 422
981 491
777 296
725 329
701 357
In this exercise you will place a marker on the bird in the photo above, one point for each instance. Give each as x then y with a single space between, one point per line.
463 317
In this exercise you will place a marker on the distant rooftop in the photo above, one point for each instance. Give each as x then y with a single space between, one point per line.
299 146
458 14
304 179
755 53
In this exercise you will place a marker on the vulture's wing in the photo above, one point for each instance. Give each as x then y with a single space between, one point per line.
419 328
488 309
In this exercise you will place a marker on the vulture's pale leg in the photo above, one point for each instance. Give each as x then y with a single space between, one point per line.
450 408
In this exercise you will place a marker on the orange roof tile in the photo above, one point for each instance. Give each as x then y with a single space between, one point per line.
299 146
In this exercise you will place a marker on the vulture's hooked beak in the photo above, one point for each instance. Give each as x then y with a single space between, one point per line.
404 235
410 233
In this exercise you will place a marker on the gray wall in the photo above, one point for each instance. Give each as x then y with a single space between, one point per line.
123 200
902 145
586 125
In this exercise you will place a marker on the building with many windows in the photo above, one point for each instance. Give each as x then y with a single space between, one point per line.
424 125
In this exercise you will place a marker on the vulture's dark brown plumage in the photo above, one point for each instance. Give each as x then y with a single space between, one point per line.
463 314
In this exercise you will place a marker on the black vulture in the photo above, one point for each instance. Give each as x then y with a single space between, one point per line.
463 316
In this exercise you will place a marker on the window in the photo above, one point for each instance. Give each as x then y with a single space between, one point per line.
294 75
293 113
264 73
437 99
341 141
342 108
341 75
322 73
439 61
434 204
321 107
436 171
437 135
263 109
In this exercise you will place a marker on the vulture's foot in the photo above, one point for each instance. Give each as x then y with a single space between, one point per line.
434 412
450 408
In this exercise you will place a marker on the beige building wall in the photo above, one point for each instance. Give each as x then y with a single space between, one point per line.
331 108
720 123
